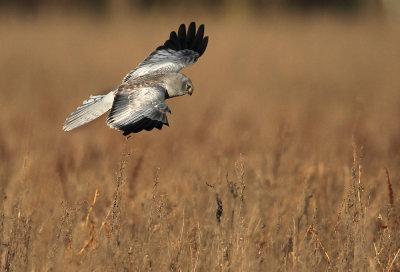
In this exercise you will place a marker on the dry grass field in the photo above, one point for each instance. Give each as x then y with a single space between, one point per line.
286 158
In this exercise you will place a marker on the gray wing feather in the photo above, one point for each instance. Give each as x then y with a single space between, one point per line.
138 109
180 50
165 60
91 109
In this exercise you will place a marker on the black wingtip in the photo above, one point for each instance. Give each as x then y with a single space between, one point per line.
203 46
190 39
144 124
182 33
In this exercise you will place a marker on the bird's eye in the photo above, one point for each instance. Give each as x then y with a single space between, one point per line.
188 87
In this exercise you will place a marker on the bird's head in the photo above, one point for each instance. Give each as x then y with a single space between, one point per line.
178 85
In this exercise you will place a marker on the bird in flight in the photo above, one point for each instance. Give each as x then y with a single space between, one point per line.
139 102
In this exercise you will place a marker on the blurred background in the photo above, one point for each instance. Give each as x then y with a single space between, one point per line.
213 6
276 162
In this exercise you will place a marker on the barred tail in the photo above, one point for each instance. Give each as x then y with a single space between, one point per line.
91 109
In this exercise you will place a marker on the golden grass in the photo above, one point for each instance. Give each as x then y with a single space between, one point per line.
277 162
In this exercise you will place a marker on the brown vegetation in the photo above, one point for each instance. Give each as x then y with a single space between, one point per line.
285 158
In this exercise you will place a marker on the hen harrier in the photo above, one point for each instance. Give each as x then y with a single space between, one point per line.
139 102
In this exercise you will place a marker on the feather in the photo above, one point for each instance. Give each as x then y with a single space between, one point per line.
180 50
91 109
138 109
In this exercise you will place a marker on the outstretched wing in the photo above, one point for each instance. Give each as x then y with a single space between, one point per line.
180 50
135 109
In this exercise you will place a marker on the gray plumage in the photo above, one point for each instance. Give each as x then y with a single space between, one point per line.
139 102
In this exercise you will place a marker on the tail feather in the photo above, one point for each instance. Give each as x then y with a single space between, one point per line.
91 109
